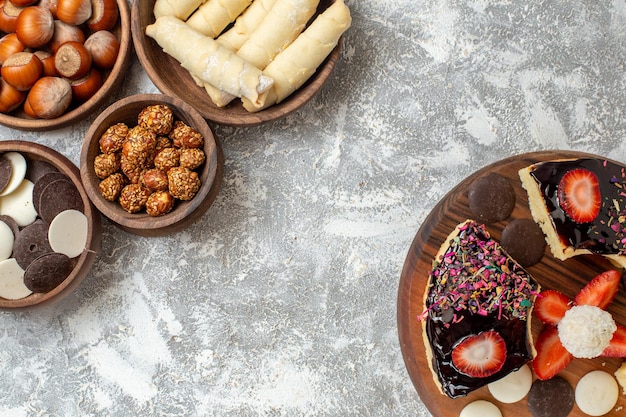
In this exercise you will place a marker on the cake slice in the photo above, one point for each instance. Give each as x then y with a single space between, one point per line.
477 310
580 205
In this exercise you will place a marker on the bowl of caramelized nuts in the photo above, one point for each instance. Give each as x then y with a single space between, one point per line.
151 164
239 63
49 230
61 59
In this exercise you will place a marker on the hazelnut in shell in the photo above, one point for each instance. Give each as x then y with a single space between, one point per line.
23 3
72 60
85 87
34 26
103 47
10 97
47 60
22 70
104 15
8 16
50 97
64 32
74 12
9 45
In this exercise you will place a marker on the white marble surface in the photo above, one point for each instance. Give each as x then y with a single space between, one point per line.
281 301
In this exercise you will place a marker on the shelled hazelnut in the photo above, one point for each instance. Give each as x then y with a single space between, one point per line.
157 167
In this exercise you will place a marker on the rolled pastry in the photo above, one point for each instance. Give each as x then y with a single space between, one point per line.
246 23
181 9
284 22
292 67
214 15
209 61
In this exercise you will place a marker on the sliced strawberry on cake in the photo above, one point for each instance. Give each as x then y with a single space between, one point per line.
552 357
580 205
581 328
477 309
550 306
480 355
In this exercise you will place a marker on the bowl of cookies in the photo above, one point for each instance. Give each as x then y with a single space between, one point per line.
42 259
61 59
243 62
151 164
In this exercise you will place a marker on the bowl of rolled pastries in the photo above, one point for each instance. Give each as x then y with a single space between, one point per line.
61 59
50 233
151 165
239 62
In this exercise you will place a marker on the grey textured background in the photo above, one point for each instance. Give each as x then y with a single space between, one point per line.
281 301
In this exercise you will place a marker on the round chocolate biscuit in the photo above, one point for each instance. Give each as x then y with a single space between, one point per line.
6 170
551 398
47 271
524 241
31 243
491 198
43 182
57 197
37 169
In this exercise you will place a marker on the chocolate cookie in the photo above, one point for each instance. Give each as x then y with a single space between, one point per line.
47 272
551 398
31 243
491 198
524 241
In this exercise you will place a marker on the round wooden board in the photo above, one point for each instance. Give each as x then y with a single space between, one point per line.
566 276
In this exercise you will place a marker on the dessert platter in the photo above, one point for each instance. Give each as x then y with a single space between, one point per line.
552 268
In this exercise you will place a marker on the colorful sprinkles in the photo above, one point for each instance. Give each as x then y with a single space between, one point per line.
477 276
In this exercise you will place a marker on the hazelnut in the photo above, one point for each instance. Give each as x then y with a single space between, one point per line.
140 142
111 187
133 198
183 183
166 159
131 169
106 164
191 158
158 118
113 138
154 179
185 136
159 203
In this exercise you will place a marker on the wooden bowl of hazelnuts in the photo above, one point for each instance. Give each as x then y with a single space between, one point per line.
151 165
61 59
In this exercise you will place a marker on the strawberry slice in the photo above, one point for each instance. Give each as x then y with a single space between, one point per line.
551 357
617 346
550 306
480 355
600 291
579 195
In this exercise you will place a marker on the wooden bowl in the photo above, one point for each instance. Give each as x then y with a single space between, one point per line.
173 80
184 212
84 262
112 80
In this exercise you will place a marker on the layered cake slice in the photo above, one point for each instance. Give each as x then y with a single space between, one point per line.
477 310
580 205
